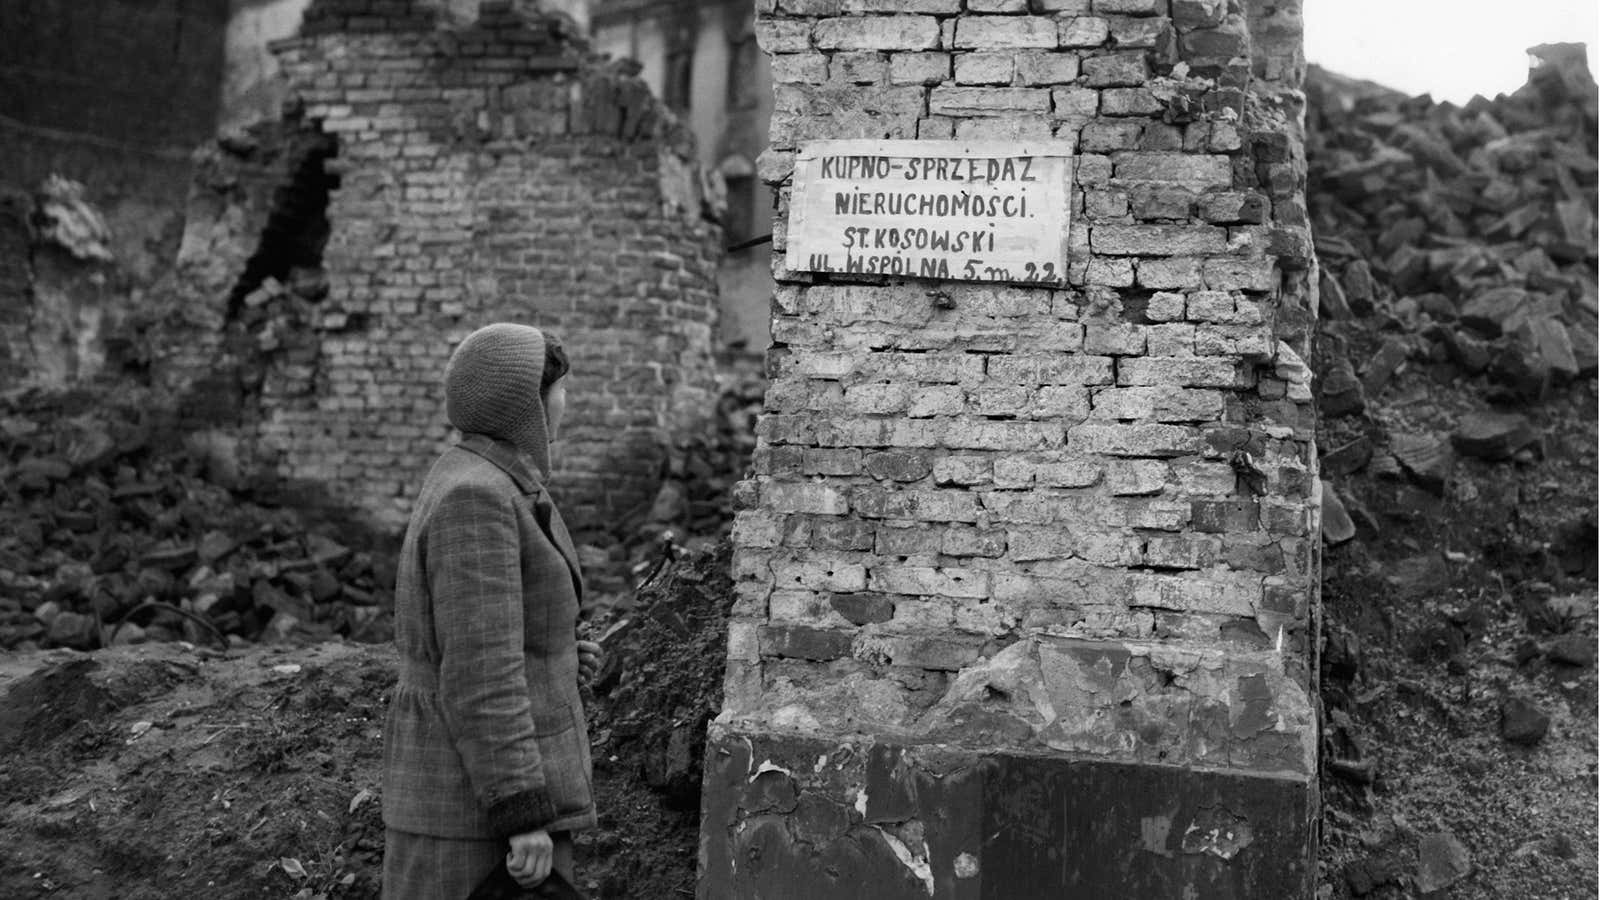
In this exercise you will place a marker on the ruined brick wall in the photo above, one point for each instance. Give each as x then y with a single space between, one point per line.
1037 557
490 172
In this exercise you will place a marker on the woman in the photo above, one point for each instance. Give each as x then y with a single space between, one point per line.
486 753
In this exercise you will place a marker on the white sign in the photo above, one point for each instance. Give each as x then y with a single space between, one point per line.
955 210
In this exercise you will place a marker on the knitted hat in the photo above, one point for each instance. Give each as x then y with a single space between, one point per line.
491 386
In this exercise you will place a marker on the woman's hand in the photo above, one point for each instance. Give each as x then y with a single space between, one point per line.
530 857
590 656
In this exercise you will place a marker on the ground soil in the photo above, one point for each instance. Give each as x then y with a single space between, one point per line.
165 770
1450 600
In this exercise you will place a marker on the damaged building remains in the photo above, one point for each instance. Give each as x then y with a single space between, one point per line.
1026 565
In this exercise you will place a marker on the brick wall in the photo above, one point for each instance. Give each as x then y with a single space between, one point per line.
493 172
1022 523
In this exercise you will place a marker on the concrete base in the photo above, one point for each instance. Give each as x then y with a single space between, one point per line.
789 818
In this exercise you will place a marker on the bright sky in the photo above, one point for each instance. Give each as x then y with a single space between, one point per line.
1451 49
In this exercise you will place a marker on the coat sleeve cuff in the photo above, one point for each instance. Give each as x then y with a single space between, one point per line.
521 812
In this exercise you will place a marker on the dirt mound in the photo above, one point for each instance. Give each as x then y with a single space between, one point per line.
160 771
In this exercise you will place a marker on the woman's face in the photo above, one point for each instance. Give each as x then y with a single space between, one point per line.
555 406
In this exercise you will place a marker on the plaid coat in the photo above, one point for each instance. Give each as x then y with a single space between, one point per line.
485 737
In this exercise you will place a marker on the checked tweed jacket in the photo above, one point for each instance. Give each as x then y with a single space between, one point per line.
485 737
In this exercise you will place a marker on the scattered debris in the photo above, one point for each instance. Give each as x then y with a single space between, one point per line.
1521 722
1443 861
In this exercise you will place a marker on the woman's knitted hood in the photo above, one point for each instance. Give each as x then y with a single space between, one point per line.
491 387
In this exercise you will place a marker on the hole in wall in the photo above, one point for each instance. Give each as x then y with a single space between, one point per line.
297 227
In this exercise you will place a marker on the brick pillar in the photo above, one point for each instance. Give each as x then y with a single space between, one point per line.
1027 576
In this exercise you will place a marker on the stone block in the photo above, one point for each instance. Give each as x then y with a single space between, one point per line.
1161 201
1039 68
1168 274
804 642
1130 7
815 574
897 465
929 581
1075 103
877 33
1113 340
1191 14
840 534
1116 70
908 7
919 68
989 543
980 101
862 608
1037 369
1004 127
1157 240
1109 272
1142 33
1201 478
1225 516
1083 32
1165 306
1005 33
1198 172
1253 273
1158 404
922 506
1136 477
1179 371
830 461
910 540
783 35
940 400
984 68
1234 207
756 528
998 400
924 614
799 68
1215 43
1129 102
997 6
860 67
1110 135
1101 204
804 497
962 470
1152 440
984 435
1046 471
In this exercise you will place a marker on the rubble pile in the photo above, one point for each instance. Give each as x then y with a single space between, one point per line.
120 527
1455 371
114 534
1470 230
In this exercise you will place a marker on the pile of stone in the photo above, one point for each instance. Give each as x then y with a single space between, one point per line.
1472 227
1456 238
114 533
119 529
